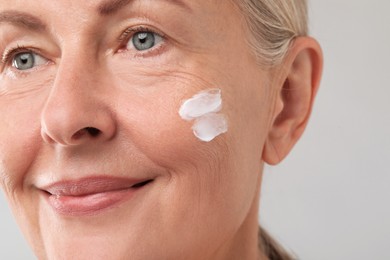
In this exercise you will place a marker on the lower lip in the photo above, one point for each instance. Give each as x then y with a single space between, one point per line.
92 204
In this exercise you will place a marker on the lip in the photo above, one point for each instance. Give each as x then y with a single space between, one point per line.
92 195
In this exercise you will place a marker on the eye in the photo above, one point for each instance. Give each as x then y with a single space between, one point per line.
27 60
144 40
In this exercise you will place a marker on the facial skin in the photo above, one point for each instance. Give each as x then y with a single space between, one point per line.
203 200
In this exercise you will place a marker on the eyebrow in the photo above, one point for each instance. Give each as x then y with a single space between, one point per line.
22 19
109 7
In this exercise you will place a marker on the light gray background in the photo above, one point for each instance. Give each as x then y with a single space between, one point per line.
330 198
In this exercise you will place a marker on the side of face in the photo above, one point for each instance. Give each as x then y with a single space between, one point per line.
84 77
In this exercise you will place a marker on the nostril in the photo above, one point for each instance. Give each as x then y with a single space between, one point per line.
93 131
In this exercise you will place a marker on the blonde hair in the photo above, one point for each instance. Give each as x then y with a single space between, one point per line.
273 25
271 248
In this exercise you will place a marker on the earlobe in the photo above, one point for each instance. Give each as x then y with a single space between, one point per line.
300 76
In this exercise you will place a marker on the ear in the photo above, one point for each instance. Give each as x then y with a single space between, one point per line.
297 85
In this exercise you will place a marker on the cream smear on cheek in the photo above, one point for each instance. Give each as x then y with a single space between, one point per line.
203 110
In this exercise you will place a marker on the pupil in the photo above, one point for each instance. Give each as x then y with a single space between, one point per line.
24 60
143 41
143 37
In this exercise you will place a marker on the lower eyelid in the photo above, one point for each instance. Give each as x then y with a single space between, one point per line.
156 50
160 47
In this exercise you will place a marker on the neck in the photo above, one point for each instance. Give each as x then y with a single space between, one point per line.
245 244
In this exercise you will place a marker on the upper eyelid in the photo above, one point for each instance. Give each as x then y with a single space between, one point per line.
11 52
130 31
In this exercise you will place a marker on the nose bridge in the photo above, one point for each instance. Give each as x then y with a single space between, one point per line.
76 76
75 111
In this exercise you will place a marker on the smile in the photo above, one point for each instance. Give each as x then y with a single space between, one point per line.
91 196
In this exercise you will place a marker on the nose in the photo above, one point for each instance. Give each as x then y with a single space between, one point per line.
77 110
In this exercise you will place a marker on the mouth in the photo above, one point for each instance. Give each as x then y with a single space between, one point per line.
92 196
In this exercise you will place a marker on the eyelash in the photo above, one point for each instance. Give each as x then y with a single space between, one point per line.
130 32
11 53
123 40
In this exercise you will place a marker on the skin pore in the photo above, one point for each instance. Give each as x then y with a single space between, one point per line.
88 74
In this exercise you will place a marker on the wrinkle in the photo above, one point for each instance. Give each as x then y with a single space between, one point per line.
8 186
182 78
16 93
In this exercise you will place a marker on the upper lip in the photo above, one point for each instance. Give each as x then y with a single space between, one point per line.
92 185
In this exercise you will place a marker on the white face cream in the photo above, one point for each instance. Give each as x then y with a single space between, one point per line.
203 108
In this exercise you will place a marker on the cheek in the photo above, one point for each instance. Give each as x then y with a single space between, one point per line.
19 137
21 103
199 173
151 120
150 116
205 173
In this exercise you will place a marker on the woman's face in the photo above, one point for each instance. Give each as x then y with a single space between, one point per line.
95 159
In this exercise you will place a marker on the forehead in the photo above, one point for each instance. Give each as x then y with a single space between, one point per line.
102 7
91 10
89 16
192 24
